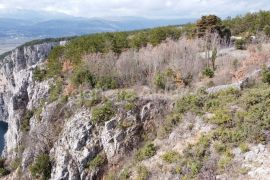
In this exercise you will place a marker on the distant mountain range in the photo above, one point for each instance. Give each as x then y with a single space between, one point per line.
34 24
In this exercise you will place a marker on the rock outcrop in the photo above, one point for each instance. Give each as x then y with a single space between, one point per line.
64 131
18 90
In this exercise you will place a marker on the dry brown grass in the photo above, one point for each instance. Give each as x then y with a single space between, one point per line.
69 89
67 66
257 58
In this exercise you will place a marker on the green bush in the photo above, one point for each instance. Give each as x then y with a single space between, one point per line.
221 116
139 40
41 168
15 163
129 106
81 76
159 81
142 173
191 103
126 95
39 74
225 160
125 174
95 99
169 124
103 113
119 42
54 65
240 44
25 126
97 162
171 157
146 152
56 90
157 35
107 82
220 147
208 72
4 172
266 30
244 147
195 155
229 136
266 75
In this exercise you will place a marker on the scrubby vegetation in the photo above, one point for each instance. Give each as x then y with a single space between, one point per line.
39 74
41 168
25 125
208 72
142 173
248 23
98 161
240 44
146 152
266 75
3 169
171 157
56 90
103 113
248 124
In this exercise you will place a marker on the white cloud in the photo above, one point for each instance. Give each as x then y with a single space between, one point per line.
2 6
147 8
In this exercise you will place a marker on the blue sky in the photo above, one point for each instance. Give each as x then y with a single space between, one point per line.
144 8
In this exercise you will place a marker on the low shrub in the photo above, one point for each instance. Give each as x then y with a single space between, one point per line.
169 124
89 102
142 173
39 74
54 65
97 162
221 117
125 174
266 75
229 136
159 81
82 76
208 72
41 168
56 90
146 152
126 95
266 30
195 155
220 147
240 44
244 147
103 113
25 125
4 172
171 157
191 103
16 163
106 83
225 161
129 106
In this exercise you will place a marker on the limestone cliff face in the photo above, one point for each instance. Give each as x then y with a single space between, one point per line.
65 131
17 90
